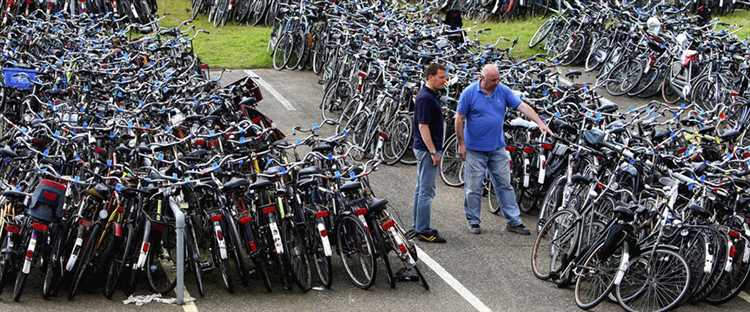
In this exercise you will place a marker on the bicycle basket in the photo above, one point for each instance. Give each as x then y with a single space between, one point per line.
47 201
19 78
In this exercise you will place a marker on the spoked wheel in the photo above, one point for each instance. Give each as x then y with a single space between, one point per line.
282 51
554 245
401 136
624 77
451 165
597 55
596 278
161 269
296 254
542 32
654 281
357 251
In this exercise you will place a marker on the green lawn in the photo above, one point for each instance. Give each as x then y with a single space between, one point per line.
238 46
232 46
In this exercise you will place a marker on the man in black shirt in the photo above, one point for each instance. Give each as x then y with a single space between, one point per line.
428 148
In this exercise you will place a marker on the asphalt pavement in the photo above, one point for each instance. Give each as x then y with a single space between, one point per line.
487 272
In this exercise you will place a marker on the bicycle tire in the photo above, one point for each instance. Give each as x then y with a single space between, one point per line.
84 261
542 32
599 294
349 227
21 277
451 165
296 254
666 255
155 272
565 223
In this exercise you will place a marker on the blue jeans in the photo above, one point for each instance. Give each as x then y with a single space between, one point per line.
475 171
425 191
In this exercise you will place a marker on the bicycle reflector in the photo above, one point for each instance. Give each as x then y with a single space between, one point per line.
511 149
360 211
388 224
216 217
734 234
12 228
41 227
245 220
322 214
547 146
528 150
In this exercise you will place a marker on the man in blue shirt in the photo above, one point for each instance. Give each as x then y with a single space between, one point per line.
481 143
428 148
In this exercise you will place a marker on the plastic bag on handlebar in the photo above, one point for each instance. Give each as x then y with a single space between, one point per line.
19 78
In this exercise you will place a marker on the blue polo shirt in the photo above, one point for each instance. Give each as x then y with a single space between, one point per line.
485 115
427 110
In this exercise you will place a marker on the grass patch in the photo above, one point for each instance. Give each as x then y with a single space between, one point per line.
237 46
233 46
521 29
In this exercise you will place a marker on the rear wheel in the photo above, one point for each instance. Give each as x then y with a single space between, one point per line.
542 32
654 281
357 251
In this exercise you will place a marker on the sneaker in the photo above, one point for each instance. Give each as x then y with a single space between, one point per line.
518 229
475 229
431 236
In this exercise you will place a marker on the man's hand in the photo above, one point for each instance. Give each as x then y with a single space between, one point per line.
545 129
462 151
435 159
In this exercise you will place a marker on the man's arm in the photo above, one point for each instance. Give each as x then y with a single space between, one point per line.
424 131
530 113
459 125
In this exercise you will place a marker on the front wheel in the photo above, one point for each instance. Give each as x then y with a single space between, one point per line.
656 280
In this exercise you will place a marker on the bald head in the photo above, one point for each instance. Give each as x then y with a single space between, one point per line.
490 77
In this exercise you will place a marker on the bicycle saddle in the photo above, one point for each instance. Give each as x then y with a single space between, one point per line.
261 183
322 147
594 137
573 74
15 196
350 187
309 171
729 135
699 210
377 205
235 183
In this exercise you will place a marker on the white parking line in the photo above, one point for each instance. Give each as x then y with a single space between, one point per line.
744 296
271 90
452 281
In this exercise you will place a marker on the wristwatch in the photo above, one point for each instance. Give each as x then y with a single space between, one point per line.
433 153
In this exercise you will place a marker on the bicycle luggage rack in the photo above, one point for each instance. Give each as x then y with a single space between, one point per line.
19 78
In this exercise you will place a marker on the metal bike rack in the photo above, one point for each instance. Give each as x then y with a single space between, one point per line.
179 217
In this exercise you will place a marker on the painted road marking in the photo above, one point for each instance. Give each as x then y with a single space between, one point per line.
284 102
452 281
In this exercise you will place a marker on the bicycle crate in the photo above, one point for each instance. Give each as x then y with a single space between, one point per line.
19 78
47 201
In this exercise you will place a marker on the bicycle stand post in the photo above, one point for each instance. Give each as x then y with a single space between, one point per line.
179 217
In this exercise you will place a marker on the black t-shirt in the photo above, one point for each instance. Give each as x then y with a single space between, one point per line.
427 111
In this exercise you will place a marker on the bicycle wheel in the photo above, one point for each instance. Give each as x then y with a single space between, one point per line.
595 278
296 255
737 272
552 201
598 54
257 10
704 93
84 260
297 48
52 269
451 165
5 259
357 251
542 32
555 244
194 259
21 277
281 52
322 261
116 266
624 77
160 265
401 136
656 280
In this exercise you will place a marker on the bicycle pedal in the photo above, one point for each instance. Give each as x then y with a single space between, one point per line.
206 266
